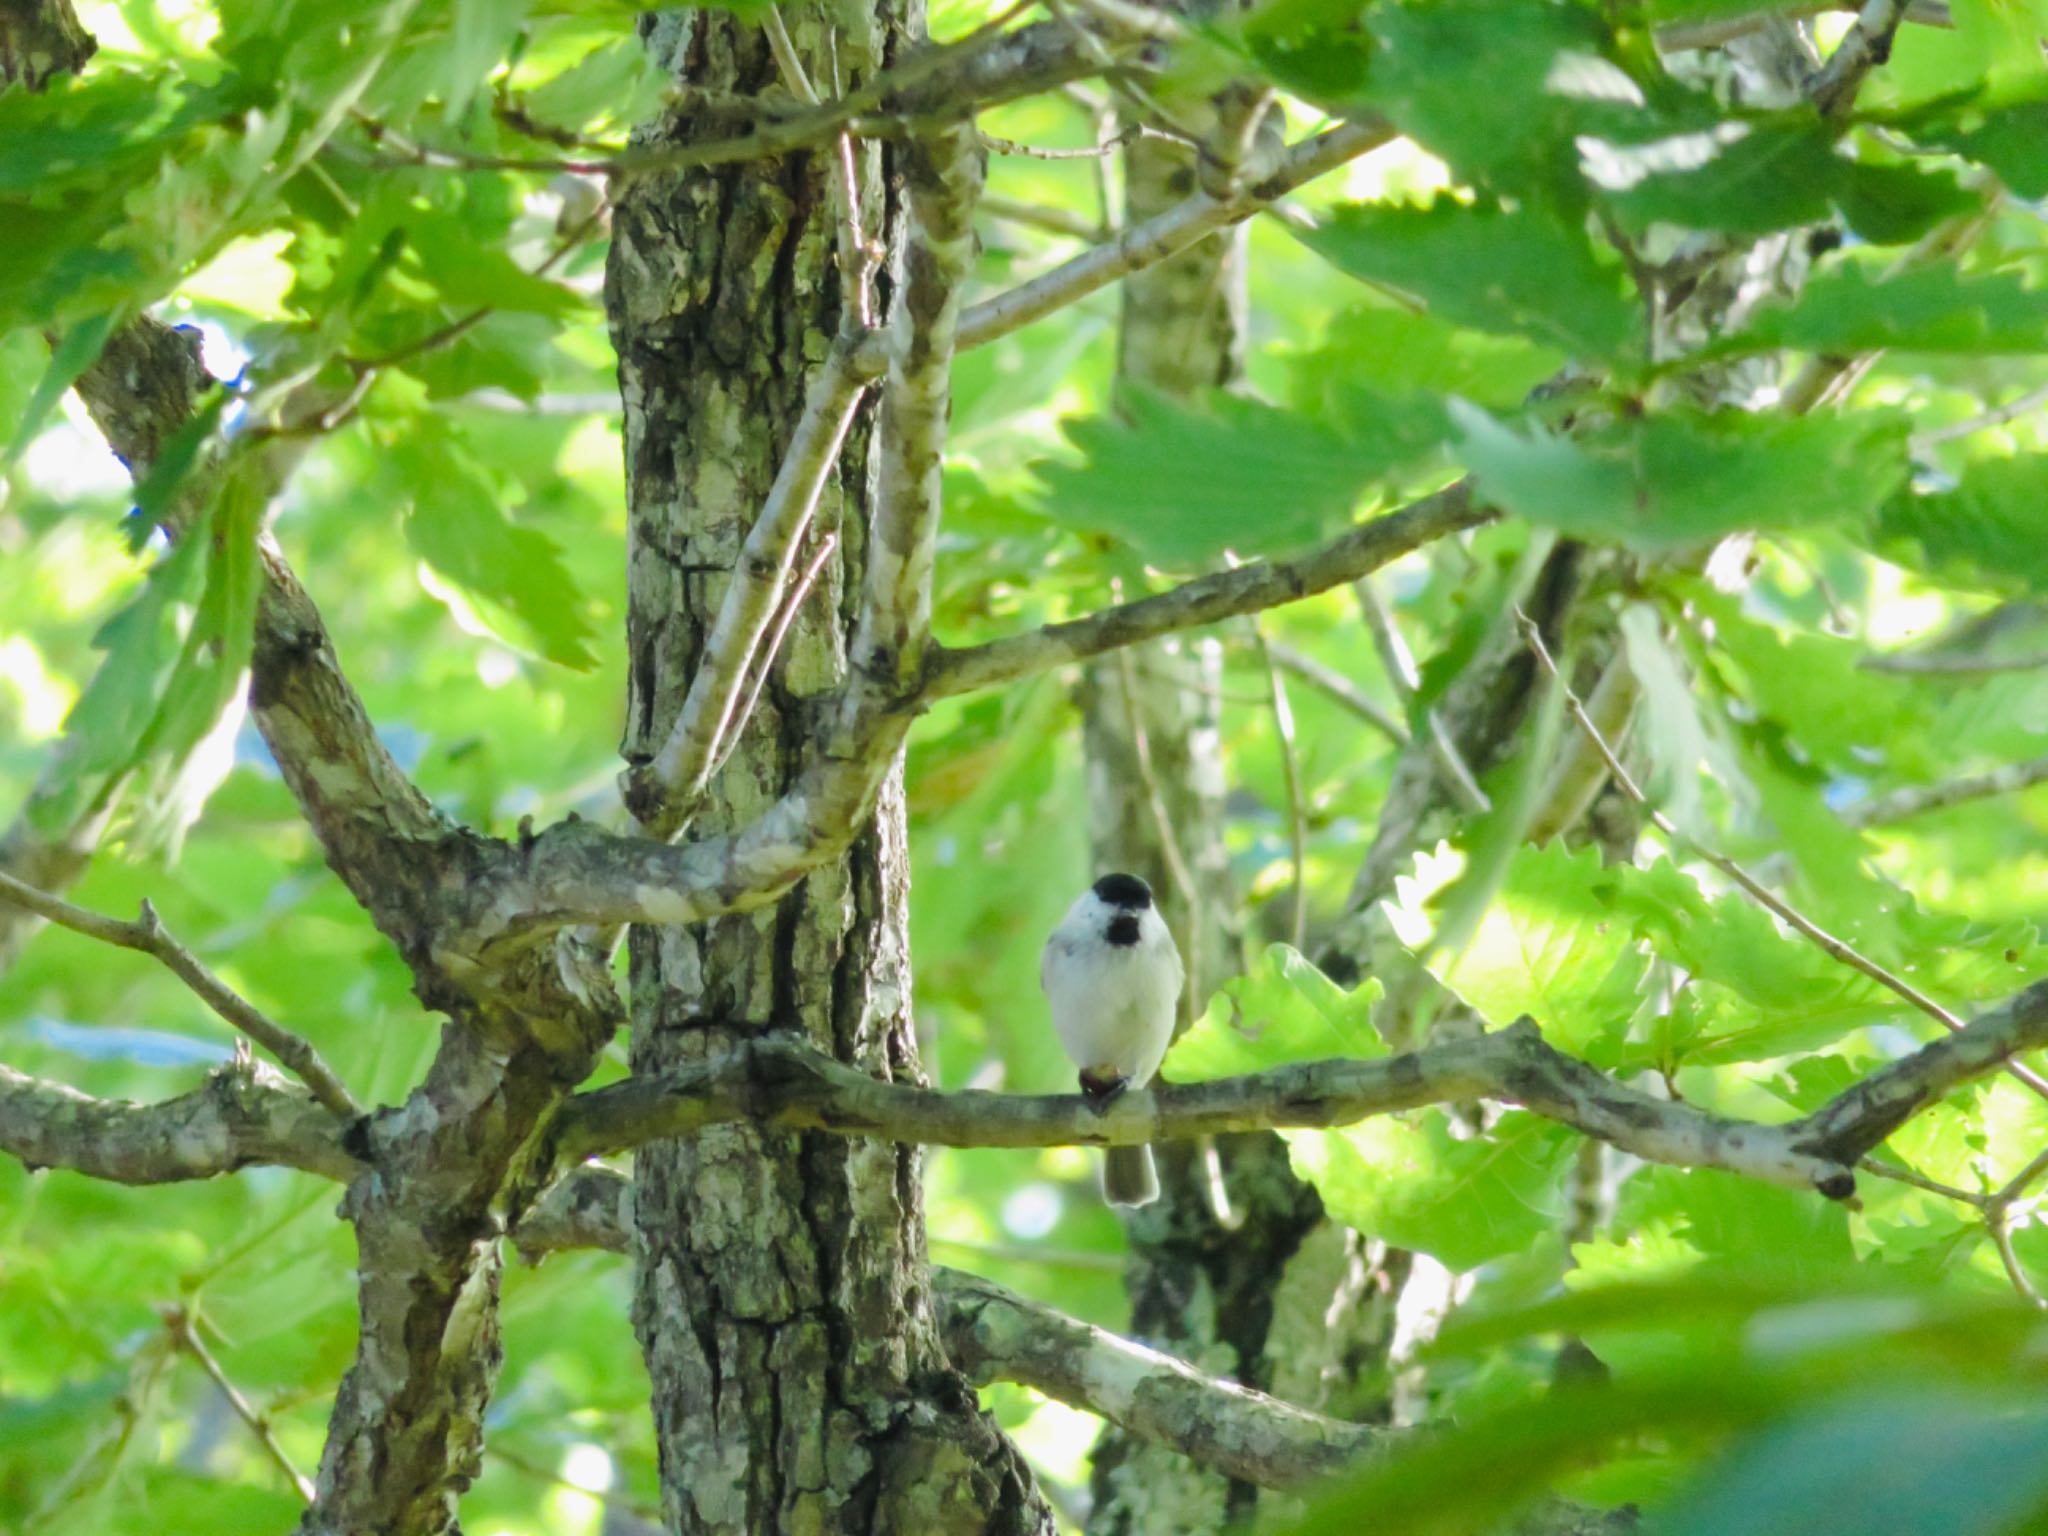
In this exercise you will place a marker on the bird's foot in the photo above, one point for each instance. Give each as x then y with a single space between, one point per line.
1103 1088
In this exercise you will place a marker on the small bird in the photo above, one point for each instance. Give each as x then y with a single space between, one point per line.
1113 978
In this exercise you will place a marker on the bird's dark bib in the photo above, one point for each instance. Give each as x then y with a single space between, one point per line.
1122 930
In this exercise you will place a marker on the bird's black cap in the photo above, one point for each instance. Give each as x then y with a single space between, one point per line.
1124 891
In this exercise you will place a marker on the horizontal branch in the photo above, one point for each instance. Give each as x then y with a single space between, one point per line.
993 1334
1919 800
148 935
786 1085
1227 594
245 1115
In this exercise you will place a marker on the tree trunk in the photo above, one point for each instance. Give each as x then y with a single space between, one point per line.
1264 1279
783 1300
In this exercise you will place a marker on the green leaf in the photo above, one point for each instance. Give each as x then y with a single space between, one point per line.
1752 178
1413 1182
1991 530
78 351
2009 136
1184 483
1283 1010
514 575
1556 944
1668 481
1931 1465
1519 273
1922 309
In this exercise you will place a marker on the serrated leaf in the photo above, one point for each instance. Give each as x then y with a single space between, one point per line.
1554 944
1753 178
1183 483
1845 311
1283 1010
2010 136
1991 530
1667 481
1410 1181
78 351
1521 273
516 574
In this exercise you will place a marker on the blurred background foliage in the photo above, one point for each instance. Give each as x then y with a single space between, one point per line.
250 171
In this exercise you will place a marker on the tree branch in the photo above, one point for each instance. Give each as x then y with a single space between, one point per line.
1917 801
1226 594
245 1115
1329 680
1950 664
1165 235
148 935
788 1086
944 174
995 1335
662 793
1867 44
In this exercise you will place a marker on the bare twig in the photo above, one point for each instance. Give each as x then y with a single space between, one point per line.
1999 1224
178 1322
148 935
1167 234
662 793
858 258
791 606
1207 599
1901 1175
1328 680
1954 664
1039 216
1921 799
1108 146
1297 809
2021 405
995 1335
1395 656
1452 768
1834 948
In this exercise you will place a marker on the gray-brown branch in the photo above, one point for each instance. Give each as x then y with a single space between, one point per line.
789 1086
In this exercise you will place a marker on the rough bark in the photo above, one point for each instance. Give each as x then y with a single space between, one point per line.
783 1303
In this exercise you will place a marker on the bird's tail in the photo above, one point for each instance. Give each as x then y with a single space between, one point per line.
1129 1177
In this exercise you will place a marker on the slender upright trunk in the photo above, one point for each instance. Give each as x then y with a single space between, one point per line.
1220 1283
783 1300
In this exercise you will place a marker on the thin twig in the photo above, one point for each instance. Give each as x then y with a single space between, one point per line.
2020 1182
571 239
1921 799
1834 948
1999 1224
148 935
1329 680
1054 221
178 1322
1297 809
1942 664
1155 797
663 793
773 647
858 259
1452 768
1386 637
606 1496
1108 146
2022 405
1902 1175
